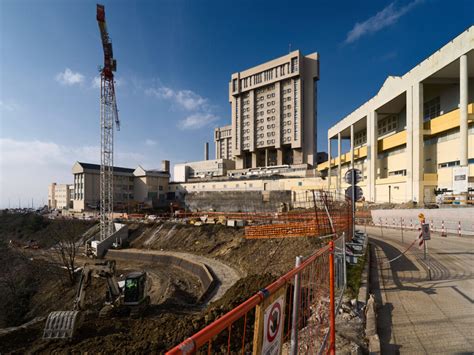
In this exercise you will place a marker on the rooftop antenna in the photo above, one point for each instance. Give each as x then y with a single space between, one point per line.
289 47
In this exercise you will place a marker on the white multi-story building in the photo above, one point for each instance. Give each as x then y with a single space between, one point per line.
60 196
416 136
223 142
273 109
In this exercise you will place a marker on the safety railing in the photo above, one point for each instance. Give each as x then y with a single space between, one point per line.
296 312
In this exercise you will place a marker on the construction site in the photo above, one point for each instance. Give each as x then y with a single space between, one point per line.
257 251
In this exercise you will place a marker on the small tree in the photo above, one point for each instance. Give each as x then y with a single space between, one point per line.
67 241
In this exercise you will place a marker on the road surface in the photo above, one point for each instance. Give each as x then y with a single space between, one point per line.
415 314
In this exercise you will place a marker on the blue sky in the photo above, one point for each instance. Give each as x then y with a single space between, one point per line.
174 62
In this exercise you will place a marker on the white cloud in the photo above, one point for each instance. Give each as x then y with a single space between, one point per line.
185 99
387 17
68 77
96 82
27 167
197 120
8 106
150 142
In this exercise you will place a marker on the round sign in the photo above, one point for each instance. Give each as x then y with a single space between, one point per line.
273 322
353 176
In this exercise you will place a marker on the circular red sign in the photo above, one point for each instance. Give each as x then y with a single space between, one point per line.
271 334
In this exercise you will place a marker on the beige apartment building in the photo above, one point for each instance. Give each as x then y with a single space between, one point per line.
274 116
87 186
131 186
223 142
151 186
60 196
416 136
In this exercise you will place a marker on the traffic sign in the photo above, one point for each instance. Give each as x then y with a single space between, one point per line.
269 324
425 231
273 327
355 174
358 193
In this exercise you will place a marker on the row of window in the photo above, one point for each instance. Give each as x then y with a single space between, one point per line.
386 125
267 75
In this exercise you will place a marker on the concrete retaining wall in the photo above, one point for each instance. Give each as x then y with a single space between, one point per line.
121 234
201 271
236 201
450 216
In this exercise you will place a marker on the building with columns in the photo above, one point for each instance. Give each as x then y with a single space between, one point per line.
274 113
416 136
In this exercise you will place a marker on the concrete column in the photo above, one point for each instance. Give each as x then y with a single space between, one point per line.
279 156
463 92
372 152
409 149
352 146
329 163
266 156
339 180
417 151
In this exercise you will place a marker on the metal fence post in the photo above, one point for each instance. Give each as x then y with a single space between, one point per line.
332 306
294 317
344 268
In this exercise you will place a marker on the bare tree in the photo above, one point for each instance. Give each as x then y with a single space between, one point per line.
66 247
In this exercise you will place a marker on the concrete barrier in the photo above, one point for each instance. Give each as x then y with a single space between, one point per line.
99 248
200 270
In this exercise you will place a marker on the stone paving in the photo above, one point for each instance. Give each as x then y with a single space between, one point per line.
417 315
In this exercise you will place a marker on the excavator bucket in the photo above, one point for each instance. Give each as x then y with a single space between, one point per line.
61 324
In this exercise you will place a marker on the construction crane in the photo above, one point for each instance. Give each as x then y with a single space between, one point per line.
108 117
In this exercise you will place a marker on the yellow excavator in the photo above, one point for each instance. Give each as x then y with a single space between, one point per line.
131 296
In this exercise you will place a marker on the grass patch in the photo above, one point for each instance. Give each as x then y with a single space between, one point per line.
354 276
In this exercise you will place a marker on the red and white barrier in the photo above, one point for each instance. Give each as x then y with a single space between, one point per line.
443 230
459 228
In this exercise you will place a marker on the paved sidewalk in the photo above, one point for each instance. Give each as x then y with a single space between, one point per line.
416 315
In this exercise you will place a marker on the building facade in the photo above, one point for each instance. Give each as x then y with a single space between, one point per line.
223 142
274 116
151 186
87 186
131 186
414 138
202 169
60 196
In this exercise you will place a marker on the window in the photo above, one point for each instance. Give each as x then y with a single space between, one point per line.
387 125
294 64
398 173
449 164
431 109
360 138
234 85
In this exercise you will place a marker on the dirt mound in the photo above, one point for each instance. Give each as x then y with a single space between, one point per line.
158 331
228 244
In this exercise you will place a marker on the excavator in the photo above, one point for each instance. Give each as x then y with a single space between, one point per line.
129 296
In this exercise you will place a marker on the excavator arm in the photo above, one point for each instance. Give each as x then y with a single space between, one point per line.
103 270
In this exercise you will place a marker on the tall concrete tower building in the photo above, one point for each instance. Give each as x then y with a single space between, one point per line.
274 112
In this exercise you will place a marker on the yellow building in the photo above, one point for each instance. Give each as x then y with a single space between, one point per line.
416 135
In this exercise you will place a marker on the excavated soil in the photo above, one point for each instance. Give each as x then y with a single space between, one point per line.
227 244
174 315
160 329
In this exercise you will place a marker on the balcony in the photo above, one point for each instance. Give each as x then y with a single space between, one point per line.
395 140
447 121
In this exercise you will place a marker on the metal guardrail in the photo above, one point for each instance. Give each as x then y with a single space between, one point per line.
311 293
